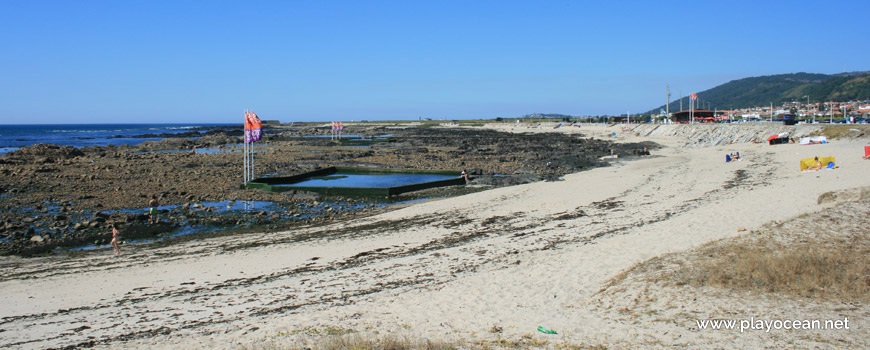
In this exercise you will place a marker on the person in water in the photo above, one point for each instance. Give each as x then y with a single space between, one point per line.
152 212
116 237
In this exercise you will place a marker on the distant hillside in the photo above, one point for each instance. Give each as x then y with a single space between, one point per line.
761 91
548 115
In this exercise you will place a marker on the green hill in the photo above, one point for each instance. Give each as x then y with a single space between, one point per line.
761 91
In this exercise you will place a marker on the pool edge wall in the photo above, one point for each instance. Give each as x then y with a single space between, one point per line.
266 183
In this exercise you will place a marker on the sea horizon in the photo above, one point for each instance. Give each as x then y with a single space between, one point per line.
16 136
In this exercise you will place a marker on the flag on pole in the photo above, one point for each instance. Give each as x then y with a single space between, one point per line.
693 96
340 126
248 127
256 127
253 127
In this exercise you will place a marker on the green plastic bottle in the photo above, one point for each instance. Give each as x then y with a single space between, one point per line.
546 331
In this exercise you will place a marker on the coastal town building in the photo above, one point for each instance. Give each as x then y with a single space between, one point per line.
847 112
699 116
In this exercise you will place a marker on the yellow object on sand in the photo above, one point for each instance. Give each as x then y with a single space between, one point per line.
808 163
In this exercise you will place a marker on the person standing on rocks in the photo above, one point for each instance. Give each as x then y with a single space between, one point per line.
116 236
152 213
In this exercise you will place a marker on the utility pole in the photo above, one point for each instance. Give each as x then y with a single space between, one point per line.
668 101
681 100
808 109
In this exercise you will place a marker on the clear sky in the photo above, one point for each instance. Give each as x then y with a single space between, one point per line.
206 61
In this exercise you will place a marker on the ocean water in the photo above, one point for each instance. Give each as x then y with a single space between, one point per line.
13 137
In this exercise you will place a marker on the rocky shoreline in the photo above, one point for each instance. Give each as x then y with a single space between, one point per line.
455 269
59 196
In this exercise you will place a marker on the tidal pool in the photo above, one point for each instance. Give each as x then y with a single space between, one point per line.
368 180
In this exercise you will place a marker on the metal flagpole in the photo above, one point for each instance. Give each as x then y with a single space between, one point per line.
251 153
248 155
245 147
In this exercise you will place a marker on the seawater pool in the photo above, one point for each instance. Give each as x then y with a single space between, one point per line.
368 180
207 210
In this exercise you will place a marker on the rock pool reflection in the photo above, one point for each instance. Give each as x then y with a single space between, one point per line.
368 180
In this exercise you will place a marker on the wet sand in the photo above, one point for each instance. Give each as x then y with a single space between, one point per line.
511 258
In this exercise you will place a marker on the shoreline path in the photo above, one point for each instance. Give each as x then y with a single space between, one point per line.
514 257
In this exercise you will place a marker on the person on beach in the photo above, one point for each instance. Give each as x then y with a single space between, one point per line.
464 175
152 212
818 165
116 236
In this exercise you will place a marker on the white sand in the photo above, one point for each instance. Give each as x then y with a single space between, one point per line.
516 258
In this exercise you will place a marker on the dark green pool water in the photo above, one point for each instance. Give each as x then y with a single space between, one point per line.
368 180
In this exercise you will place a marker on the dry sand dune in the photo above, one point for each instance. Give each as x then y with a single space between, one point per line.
483 267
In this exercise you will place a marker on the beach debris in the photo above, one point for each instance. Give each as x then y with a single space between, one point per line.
79 329
546 331
741 229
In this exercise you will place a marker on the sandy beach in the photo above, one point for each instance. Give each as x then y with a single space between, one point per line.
481 268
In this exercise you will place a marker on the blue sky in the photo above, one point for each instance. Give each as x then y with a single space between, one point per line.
207 61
